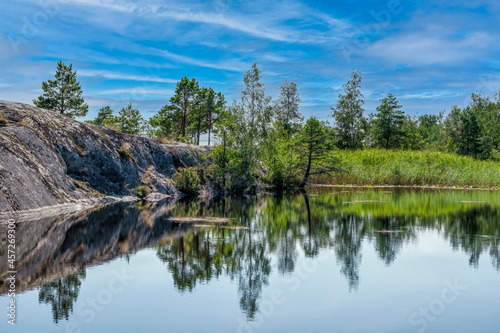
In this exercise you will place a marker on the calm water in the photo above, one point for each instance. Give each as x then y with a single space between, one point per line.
335 260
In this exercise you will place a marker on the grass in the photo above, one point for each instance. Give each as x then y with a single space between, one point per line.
123 151
165 141
3 121
422 168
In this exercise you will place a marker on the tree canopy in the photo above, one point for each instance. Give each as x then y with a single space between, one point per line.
64 94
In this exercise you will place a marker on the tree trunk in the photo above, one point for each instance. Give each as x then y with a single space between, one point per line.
224 164
184 118
308 171
209 125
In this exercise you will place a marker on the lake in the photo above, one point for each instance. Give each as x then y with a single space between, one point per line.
331 260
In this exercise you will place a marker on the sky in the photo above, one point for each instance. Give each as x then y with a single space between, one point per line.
430 54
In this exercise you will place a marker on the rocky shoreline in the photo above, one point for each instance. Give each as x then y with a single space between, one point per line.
51 164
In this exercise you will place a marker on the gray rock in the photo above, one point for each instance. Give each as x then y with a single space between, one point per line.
47 159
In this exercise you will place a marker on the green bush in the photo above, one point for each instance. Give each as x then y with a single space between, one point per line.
142 191
187 181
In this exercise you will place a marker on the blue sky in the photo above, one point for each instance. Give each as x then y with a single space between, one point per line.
430 54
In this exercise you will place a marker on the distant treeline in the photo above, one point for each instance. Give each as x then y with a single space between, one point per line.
261 139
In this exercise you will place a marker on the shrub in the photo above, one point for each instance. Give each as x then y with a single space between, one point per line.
124 151
187 181
165 141
142 191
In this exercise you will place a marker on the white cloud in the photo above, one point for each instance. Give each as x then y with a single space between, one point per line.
137 92
116 76
430 46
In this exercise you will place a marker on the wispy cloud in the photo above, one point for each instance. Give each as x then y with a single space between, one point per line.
124 77
428 48
137 92
231 65
269 23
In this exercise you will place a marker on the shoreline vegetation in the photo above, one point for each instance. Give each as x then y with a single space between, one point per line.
428 169
264 142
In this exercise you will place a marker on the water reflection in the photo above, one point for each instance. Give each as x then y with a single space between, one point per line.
278 230
61 295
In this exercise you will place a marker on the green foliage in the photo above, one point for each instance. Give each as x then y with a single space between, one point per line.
430 129
286 108
380 167
105 118
208 107
280 158
187 181
129 120
64 94
254 113
388 123
348 114
191 113
468 142
225 156
242 129
165 123
142 191
413 139
488 117
315 145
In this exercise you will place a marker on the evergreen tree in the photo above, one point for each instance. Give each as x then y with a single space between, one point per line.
104 117
207 107
348 114
470 133
388 123
315 146
286 108
64 94
184 100
129 120
215 105
166 123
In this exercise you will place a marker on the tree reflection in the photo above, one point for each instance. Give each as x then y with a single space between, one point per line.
62 295
280 225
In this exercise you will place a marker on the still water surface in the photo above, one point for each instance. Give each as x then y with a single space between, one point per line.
332 260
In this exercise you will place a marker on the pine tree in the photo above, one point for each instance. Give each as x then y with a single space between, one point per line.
388 123
315 145
183 100
129 120
166 123
104 117
470 133
348 114
206 108
64 94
